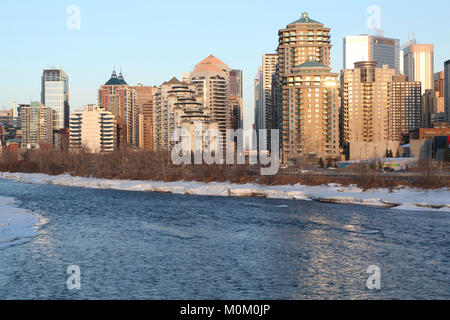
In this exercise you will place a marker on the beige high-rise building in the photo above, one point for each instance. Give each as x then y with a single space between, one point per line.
269 63
212 80
365 111
194 120
93 128
37 125
304 41
405 107
179 106
419 64
163 114
312 96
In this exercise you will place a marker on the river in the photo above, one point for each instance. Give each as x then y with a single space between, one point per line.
142 245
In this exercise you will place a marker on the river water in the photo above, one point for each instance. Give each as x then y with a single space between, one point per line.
137 245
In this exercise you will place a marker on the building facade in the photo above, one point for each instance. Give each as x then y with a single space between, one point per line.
269 63
404 107
212 80
384 51
365 111
117 97
37 125
94 129
144 108
258 114
429 114
55 95
439 85
237 99
311 91
302 41
419 64
447 90
179 106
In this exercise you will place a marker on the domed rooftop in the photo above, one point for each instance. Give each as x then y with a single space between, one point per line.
304 20
116 80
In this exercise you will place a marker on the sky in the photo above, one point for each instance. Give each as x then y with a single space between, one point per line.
152 41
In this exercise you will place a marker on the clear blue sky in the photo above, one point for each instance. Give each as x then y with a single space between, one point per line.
156 40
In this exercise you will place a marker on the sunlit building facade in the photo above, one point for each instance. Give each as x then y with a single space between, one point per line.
365 111
304 41
419 65
117 97
37 125
94 129
382 50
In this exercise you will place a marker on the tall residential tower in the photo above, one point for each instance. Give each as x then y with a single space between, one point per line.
307 89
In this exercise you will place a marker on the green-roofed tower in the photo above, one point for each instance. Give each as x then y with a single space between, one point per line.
308 99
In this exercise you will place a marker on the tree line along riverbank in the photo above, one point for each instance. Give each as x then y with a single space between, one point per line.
132 164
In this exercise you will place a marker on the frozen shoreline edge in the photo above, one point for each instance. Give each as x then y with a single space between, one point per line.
401 198
16 224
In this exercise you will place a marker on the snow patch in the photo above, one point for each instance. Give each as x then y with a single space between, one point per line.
400 198
16 224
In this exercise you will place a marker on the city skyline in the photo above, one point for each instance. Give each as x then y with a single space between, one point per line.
158 60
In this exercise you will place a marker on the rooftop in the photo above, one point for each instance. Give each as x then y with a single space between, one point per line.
211 63
116 80
305 20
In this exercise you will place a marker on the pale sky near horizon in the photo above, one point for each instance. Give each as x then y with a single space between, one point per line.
153 40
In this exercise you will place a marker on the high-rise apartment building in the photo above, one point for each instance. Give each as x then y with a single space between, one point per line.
144 106
55 95
237 99
37 125
302 41
212 79
404 107
311 121
269 62
419 64
164 118
117 97
384 51
94 129
447 90
365 111
177 105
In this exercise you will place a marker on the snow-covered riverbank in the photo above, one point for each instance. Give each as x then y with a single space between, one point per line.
16 224
403 198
